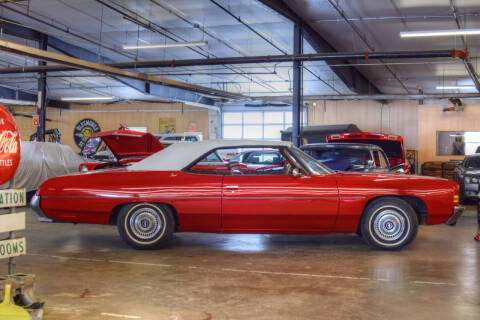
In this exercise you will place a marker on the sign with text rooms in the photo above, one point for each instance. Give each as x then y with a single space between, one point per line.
13 248
12 222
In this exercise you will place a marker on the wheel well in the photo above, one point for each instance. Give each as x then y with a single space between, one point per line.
417 204
116 210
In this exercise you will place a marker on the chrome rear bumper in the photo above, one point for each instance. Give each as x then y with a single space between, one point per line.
35 204
457 212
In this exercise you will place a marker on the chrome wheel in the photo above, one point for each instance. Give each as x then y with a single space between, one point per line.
389 225
145 223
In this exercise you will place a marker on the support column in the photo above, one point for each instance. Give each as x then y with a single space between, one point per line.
297 86
42 92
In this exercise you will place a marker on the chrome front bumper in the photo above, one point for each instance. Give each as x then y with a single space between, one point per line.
457 212
35 205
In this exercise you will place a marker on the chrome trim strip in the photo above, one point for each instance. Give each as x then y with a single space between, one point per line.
312 198
124 197
201 198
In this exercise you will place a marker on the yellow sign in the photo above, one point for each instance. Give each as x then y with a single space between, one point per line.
13 248
12 198
167 125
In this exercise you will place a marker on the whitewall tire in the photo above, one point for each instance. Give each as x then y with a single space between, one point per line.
389 223
145 225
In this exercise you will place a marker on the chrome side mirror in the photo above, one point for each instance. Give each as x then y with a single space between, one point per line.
370 164
296 173
398 168
232 164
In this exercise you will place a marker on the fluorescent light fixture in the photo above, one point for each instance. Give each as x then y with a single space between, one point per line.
86 98
454 87
439 33
168 45
18 102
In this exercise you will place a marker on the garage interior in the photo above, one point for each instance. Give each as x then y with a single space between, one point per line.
240 70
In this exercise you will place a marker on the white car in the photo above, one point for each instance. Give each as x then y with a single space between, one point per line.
171 138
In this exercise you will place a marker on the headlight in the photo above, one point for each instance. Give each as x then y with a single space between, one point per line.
83 169
474 180
467 179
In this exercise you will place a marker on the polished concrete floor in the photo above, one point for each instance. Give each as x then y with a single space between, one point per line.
87 272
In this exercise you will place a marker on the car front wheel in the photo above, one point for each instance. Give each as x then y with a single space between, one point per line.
389 223
145 225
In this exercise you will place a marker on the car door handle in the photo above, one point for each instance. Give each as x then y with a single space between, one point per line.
231 187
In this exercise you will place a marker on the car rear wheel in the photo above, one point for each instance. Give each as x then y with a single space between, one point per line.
389 223
145 225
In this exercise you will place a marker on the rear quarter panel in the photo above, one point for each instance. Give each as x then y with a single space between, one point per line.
357 190
91 197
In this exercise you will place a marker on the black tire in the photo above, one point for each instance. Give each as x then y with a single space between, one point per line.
146 225
389 223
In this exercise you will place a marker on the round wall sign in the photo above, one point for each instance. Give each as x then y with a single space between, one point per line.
83 130
9 145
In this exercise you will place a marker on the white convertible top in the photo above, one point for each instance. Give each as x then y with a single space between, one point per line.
179 155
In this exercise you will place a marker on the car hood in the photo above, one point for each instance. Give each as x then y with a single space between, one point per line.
127 143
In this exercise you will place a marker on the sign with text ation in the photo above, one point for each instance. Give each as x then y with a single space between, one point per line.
13 248
13 198
12 222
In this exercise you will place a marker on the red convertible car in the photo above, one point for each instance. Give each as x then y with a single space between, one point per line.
117 148
169 192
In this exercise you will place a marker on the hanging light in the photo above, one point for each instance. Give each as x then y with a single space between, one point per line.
439 33
86 98
168 45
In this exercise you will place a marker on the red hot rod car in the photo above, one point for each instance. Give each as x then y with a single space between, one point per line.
117 148
170 192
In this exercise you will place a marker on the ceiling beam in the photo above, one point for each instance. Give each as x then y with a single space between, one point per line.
35 53
287 58
81 53
14 29
16 94
350 76
362 37
378 97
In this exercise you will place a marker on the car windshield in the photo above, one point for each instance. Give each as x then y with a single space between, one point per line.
95 148
393 149
178 138
340 157
472 162
353 154
313 165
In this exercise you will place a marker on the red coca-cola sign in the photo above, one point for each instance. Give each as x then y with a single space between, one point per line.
9 145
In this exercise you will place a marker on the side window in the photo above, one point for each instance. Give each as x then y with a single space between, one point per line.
191 138
212 157
380 161
244 161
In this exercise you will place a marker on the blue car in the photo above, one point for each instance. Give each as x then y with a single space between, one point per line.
349 156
